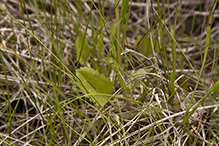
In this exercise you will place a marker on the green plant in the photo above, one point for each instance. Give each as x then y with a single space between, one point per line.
108 73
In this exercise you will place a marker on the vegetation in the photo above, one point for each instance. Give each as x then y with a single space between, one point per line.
92 72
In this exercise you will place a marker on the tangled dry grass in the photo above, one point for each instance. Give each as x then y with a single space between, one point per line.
33 92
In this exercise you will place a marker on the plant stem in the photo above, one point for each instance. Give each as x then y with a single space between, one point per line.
119 61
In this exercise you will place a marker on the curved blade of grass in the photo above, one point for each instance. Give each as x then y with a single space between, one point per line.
211 90
188 114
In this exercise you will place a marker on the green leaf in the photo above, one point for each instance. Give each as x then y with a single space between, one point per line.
96 65
113 29
145 46
109 61
82 48
136 78
93 82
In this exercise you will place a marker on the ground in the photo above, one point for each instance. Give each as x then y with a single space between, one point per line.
168 101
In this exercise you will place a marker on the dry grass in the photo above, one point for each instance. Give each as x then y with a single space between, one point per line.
41 105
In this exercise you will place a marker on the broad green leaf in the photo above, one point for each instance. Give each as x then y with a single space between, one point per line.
94 82
108 60
82 48
145 46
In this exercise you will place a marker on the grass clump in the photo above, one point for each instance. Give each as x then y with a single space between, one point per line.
109 72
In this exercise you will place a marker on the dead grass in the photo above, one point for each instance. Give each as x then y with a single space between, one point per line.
30 82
